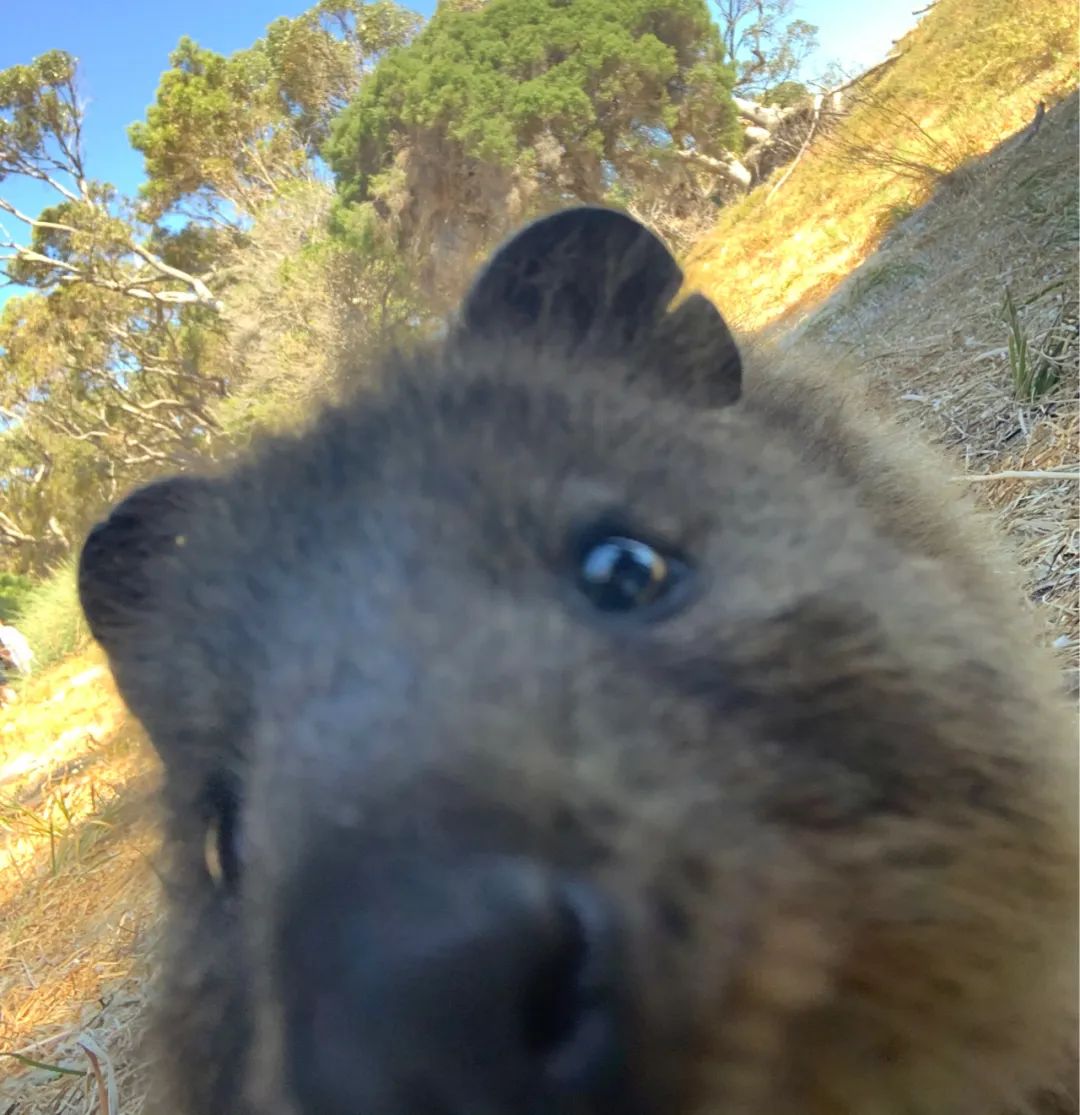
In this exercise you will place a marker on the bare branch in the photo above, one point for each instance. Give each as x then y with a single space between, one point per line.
66 429
733 170
766 116
818 101
13 531
33 222
164 297
204 295
29 170
29 256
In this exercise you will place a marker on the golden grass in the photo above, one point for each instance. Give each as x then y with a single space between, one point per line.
899 237
919 312
77 900
924 320
971 74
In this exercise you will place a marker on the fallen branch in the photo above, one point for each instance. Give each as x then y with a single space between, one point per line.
818 102
763 115
733 170
1020 474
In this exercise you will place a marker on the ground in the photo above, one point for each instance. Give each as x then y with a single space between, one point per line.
915 299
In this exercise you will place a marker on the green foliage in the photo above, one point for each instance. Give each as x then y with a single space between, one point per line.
51 618
1033 374
214 124
785 94
38 112
105 366
598 77
318 58
14 591
231 129
101 394
520 105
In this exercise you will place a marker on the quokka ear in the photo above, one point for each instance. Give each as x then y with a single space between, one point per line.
586 280
594 282
694 355
120 563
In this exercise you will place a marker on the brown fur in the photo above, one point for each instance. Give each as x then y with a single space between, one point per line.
834 794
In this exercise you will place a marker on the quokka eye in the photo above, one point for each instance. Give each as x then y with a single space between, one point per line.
618 573
221 838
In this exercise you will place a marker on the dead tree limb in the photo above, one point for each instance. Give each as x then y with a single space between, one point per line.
818 101
733 169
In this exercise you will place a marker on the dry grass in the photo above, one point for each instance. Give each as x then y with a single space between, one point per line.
933 243
77 900
921 312
970 75
925 319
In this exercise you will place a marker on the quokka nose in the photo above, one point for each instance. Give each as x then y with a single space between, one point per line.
489 987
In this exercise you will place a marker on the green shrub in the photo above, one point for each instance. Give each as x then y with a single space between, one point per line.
51 618
14 590
1033 375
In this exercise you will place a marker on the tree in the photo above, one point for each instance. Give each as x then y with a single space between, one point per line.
767 45
85 237
509 108
140 345
103 365
225 133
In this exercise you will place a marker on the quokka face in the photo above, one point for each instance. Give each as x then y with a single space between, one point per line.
592 720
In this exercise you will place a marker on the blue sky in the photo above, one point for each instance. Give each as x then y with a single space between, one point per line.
123 46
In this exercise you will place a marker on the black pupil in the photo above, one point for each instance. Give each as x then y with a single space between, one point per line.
619 574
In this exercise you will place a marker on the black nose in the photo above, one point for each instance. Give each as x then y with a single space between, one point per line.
483 988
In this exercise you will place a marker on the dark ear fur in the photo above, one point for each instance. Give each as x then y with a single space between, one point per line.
594 282
585 278
696 355
115 582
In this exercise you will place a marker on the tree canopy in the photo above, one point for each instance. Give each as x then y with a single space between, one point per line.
231 129
767 45
515 105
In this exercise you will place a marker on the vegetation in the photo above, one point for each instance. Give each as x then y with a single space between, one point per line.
768 47
224 133
51 619
494 114
14 590
969 75
108 366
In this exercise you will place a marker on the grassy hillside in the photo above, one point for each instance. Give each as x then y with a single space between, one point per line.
892 243
970 75
929 244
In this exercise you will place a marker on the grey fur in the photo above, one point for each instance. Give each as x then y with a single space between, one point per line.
833 792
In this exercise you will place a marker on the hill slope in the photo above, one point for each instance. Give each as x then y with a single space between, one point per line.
930 244
969 76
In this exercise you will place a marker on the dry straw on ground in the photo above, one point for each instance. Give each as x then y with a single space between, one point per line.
76 899
926 319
